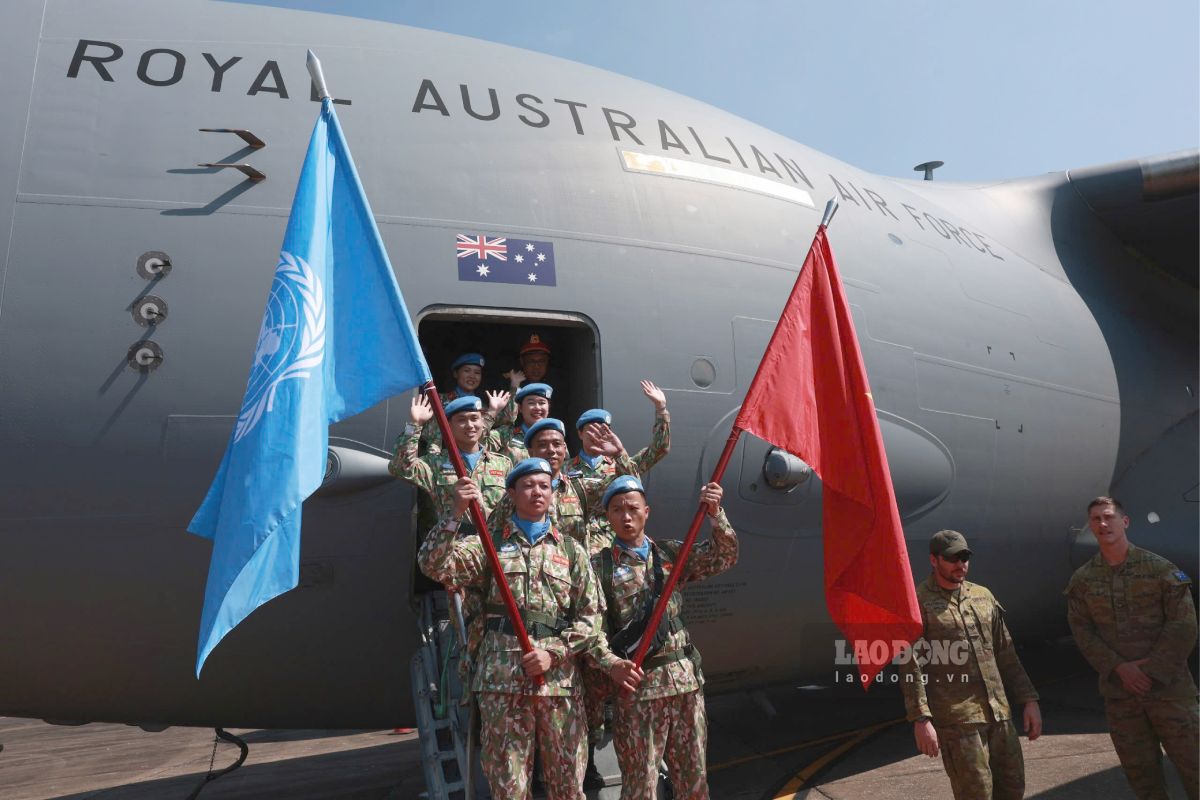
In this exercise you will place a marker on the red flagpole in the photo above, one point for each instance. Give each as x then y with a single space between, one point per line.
679 568
510 604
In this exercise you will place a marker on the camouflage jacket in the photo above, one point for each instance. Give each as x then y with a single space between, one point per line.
431 435
434 472
632 580
647 457
573 504
970 658
1141 608
550 578
507 438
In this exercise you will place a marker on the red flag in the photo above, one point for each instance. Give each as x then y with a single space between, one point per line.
811 398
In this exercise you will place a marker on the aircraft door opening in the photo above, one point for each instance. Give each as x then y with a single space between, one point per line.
573 371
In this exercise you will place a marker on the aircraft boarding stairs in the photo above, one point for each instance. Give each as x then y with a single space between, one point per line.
444 721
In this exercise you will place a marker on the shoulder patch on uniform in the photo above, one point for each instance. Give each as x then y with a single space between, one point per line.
1181 576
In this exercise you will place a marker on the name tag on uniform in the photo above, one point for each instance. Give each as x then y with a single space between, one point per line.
557 559
569 500
496 473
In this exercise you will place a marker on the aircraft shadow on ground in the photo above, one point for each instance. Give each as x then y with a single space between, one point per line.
367 773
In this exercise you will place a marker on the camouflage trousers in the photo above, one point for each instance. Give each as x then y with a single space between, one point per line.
674 729
510 726
983 760
597 691
1141 728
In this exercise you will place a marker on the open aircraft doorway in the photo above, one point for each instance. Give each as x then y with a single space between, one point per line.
447 332
499 334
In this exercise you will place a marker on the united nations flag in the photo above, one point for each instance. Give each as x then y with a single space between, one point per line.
315 362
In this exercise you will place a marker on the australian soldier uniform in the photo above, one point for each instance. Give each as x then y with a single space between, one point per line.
1141 609
665 719
965 692
551 583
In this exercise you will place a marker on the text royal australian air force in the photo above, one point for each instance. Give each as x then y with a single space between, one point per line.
647 143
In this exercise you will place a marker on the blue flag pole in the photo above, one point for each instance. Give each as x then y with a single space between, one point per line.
335 340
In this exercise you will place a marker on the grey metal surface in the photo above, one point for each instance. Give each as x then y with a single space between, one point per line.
1023 360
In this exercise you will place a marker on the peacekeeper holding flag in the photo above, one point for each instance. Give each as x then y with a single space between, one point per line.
552 584
665 717
434 472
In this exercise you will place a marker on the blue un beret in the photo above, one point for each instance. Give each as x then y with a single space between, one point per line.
529 466
540 389
621 485
468 403
465 359
593 415
543 424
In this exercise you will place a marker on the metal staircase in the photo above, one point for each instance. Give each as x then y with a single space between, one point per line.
443 721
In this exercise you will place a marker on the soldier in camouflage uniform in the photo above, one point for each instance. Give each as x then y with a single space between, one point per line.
570 499
531 403
589 461
665 718
552 584
596 423
468 377
1132 616
434 472
956 700
575 498
575 505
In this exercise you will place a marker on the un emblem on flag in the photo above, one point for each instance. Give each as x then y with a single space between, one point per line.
291 340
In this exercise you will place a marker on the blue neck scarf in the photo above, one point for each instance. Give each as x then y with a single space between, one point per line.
591 461
642 552
471 459
534 531
459 391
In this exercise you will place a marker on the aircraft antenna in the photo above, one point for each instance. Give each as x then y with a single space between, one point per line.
318 77
927 167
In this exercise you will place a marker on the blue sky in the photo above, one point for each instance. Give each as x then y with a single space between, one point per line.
996 90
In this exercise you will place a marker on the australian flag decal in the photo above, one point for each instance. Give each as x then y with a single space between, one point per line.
496 259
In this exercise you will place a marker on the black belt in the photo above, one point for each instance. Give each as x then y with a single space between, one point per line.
687 651
537 624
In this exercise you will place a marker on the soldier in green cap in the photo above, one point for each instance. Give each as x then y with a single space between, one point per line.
954 681
1132 616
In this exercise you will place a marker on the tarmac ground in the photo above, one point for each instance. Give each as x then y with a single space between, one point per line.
810 743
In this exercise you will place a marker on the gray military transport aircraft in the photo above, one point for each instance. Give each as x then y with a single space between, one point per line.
1031 343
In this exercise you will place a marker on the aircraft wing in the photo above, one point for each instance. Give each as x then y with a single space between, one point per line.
1150 204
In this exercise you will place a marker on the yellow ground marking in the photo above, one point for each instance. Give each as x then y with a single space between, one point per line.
854 738
833 737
